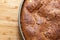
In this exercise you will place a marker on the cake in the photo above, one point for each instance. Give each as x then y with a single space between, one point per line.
40 19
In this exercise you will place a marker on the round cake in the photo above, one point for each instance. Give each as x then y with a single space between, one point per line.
40 19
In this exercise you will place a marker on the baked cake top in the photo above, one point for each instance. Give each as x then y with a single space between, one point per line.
40 19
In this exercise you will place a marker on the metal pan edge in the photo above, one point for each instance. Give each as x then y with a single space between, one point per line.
19 24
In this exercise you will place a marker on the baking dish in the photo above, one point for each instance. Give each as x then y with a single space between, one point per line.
19 24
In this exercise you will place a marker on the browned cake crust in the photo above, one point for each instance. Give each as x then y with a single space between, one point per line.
40 19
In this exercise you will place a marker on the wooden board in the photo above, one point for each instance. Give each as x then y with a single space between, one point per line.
9 20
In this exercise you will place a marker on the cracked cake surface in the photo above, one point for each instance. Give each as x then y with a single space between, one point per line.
40 19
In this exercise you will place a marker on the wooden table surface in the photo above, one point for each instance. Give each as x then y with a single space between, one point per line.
9 20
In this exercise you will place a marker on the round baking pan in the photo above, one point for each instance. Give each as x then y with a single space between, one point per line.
19 24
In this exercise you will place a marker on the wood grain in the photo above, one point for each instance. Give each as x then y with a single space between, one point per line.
9 20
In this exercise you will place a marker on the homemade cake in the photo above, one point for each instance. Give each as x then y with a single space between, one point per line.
40 19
